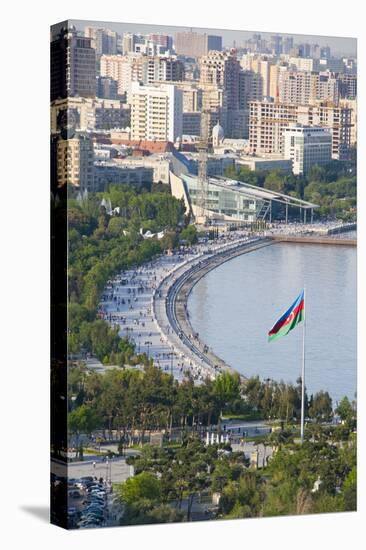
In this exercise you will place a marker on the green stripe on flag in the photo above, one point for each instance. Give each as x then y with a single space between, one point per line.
288 327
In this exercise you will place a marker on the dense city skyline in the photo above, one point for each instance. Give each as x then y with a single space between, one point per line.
173 153
339 45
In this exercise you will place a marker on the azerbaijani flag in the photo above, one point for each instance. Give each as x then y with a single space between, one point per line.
292 317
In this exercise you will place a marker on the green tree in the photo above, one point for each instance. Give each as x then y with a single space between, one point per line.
83 419
321 408
142 486
116 226
226 391
189 234
345 410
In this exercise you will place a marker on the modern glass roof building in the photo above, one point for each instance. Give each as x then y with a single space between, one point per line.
232 200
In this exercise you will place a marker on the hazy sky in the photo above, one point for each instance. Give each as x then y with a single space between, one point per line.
339 45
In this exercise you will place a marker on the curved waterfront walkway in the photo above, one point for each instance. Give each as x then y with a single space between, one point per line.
135 301
148 304
170 303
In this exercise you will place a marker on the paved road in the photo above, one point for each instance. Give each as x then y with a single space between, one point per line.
116 470
135 302
128 302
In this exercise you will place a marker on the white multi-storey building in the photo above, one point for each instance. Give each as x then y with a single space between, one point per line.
136 67
268 119
125 69
307 146
304 63
156 112
305 87
104 40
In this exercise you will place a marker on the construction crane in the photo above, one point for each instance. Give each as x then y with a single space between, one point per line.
203 146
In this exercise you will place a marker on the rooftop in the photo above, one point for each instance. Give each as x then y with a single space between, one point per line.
257 192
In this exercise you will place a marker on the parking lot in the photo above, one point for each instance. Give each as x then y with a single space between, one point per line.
115 470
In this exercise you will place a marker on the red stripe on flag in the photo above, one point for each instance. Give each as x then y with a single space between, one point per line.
294 313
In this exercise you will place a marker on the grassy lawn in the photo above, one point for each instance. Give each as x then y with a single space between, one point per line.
243 417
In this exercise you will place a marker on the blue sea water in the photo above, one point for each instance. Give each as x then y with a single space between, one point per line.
234 306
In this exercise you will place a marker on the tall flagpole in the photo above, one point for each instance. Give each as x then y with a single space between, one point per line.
303 374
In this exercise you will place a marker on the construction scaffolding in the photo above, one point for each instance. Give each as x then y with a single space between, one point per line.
203 147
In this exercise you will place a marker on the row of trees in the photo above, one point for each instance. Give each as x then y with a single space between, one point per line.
333 186
101 245
316 477
150 399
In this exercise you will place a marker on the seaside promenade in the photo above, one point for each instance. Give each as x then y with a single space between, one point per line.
135 301
149 304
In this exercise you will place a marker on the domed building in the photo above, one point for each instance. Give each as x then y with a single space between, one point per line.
217 135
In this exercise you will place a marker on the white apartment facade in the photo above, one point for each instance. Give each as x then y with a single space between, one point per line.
268 119
88 114
305 87
123 68
75 162
307 146
156 112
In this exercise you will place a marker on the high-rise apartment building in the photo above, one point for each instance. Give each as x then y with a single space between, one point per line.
87 114
325 52
335 117
103 40
222 70
162 68
73 71
288 44
305 88
191 123
156 112
250 89
107 87
351 104
304 63
214 103
129 41
262 65
125 69
276 44
347 86
194 44
327 87
296 87
74 161
140 68
304 50
163 40
307 146
268 119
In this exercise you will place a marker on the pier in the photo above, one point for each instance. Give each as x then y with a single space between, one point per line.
177 293
176 302
304 239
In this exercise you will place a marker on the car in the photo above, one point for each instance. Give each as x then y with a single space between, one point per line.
94 517
94 508
74 494
96 498
86 524
94 488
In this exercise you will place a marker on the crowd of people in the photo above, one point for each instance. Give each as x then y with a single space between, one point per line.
128 302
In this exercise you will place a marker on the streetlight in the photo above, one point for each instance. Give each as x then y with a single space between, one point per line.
148 344
171 361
